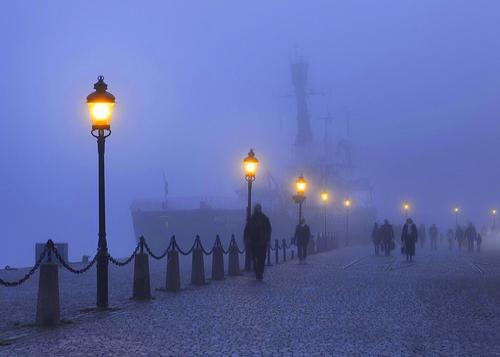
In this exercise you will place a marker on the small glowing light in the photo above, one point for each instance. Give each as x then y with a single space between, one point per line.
324 196
347 203
100 104
456 209
406 206
250 165
494 212
301 185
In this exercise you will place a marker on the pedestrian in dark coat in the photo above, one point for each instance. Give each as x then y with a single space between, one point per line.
479 240
409 237
302 236
433 233
387 234
376 238
470 235
451 236
258 234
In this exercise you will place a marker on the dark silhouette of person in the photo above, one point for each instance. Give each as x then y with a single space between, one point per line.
302 236
376 238
470 235
409 237
258 234
433 233
387 234
451 237
459 236
422 234
479 240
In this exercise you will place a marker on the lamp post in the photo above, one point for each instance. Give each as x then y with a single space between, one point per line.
347 205
250 164
456 210
101 104
324 198
300 196
406 208
494 214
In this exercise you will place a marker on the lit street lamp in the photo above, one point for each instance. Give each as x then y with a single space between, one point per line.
347 205
101 104
250 165
300 196
494 214
324 198
406 208
456 210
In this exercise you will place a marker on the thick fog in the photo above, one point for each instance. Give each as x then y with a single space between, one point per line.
200 82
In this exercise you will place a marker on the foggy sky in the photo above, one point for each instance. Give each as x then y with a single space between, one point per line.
200 82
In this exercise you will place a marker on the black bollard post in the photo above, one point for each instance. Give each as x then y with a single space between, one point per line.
276 246
47 308
234 259
173 281
284 249
217 261
141 287
198 265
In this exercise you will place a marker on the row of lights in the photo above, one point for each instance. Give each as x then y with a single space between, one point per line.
251 163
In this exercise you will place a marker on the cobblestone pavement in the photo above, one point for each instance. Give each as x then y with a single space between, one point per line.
345 302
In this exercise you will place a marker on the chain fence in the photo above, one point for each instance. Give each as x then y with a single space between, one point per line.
142 245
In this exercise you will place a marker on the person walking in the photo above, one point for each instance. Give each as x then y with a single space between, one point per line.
302 236
470 235
409 237
258 235
459 236
376 238
479 240
422 234
433 233
451 237
387 234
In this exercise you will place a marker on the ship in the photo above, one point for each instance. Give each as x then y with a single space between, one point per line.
326 163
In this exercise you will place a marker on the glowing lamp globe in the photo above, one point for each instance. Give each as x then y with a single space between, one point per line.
101 104
406 206
456 209
347 203
324 196
301 185
250 164
494 212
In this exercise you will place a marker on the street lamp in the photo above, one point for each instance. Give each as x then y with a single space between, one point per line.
300 196
494 214
250 165
324 198
347 205
456 210
101 104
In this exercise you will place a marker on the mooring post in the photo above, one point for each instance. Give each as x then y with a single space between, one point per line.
141 287
48 309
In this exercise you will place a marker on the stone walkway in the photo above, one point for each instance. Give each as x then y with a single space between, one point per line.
346 302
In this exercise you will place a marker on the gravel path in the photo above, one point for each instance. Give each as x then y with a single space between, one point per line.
345 302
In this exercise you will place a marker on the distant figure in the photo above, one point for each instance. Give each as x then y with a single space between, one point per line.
409 237
451 237
387 234
422 234
459 237
471 236
479 240
433 233
302 236
376 238
258 234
